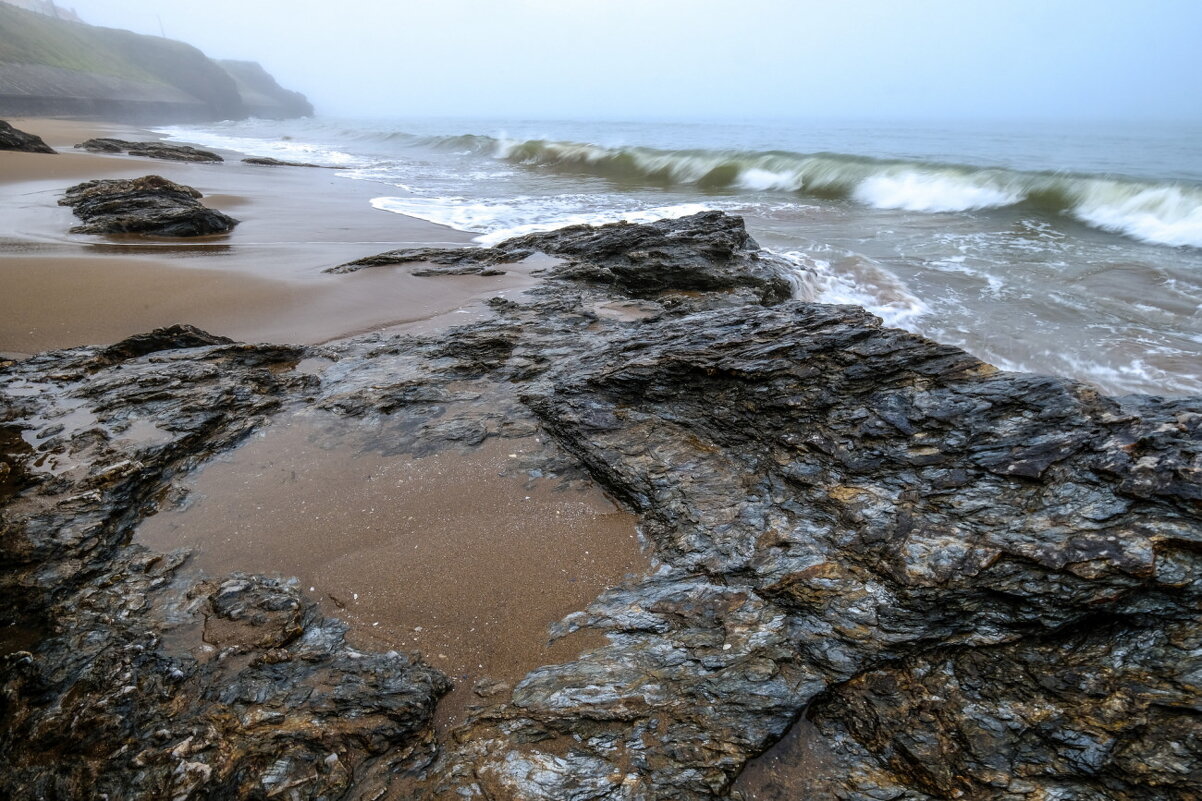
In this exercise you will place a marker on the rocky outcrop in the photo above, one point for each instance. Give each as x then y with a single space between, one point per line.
706 252
150 205
149 680
975 584
270 162
13 139
150 150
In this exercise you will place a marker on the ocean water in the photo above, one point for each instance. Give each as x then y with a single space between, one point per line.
1066 249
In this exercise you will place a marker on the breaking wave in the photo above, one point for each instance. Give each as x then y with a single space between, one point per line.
1162 213
500 220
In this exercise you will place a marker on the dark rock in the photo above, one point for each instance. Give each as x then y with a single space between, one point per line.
976 584
13 139
150 679
172 337
270 162
456 261
149 205
705 252
153 150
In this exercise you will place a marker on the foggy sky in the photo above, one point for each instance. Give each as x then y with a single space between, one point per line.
913 59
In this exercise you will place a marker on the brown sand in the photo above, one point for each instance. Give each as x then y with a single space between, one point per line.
74 167
463 557
67 133
263 282
53 302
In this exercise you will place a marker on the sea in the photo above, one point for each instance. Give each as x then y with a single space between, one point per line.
1070 249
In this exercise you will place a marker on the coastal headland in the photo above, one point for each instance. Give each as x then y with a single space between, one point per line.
336 505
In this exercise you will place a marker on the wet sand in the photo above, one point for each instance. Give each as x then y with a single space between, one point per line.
264 282
467 557
464 556
54 302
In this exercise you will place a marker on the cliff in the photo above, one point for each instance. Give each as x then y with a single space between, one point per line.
262 96
51 66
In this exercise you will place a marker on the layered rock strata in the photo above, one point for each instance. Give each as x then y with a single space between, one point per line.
14 139
150 150
150 205
975 584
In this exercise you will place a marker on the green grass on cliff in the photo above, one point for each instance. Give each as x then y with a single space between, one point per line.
28 38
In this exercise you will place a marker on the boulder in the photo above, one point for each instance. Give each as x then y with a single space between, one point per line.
14 139
152 150
150 205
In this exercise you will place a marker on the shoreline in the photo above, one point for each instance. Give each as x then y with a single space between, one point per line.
262 282
857 540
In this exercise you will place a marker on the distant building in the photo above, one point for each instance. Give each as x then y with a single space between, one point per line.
46 7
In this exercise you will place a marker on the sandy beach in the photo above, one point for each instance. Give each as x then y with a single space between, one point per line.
345 521
261 283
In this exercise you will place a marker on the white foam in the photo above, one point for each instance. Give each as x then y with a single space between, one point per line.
875 290
1165 215
497 221
759 180
283 149
912 190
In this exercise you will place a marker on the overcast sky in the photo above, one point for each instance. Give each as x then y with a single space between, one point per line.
924 59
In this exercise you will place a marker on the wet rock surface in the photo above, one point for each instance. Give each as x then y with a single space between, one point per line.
150 205
973 584
14 139
270 162
150 681
706 252
150 150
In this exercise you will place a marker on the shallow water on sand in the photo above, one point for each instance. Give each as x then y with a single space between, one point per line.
465 555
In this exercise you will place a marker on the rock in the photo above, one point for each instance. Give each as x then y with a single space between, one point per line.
454 261
152 150
149 205
975 584
167 681
13 139
270 162
705 252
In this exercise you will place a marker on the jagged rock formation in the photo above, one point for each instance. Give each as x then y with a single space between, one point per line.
13 139
54 67
151 150
707 252
270 162
163 683
977 584
150 205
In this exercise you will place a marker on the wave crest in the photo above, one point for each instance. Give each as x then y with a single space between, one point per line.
1163 213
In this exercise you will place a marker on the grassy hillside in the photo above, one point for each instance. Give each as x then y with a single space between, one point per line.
124 59
29 38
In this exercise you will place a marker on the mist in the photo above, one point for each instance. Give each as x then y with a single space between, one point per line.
637 59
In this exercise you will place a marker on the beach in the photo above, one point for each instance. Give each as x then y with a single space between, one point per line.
477 521
633 510
261 283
